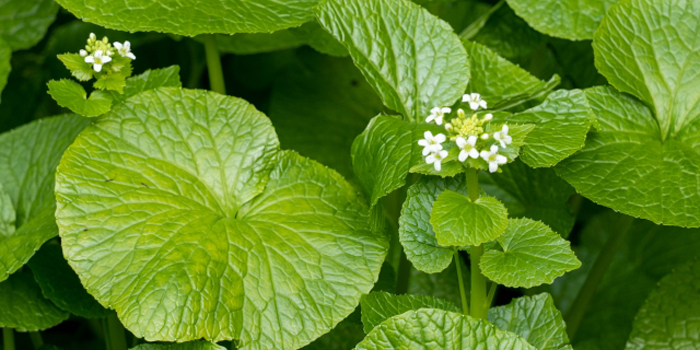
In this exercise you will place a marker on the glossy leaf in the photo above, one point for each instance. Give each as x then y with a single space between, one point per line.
413 60
7 214
192 18
194 345
458 221
285 239
535 318
149 80
434 328
532 255
24 22
69 94
508 35
377 307
22 306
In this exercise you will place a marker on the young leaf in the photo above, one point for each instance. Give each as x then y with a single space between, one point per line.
77 66
188 18
434 328
413 60
69 94
377 307
415 232
458 221
667 29
24 22
626 166
28 159
537 194
568 19
193 345
149 80
61 285
5 55
284 238
561 124
113 81
22 306
535 318
532 255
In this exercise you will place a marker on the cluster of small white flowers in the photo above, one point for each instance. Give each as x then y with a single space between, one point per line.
465 132
99 52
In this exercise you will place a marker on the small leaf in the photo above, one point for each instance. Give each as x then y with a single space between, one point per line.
113 81
77 66
193 345
440 329
24 22
535 318
149 80
532 255
377 307
458 221
71 95
22 306
413 60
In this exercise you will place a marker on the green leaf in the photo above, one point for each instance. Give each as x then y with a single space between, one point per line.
253 43
24 22
561 124
343 337
71 95
535 318
223 194
5 55
383 154
443 284
660 65
319 106
413 60
508 35
377 307
319 39
22 306
7 214
458 221
576 59
626 166
501 83
194 345
532 255
28 159
61 285
450 166
568 19
113 81
192 18
537 194
434 328
77 66
668 318
149 80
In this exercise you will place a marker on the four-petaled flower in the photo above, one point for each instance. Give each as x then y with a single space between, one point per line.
436 158
493 158
431 144
467 148
124 50
474 101
436 113
97 60
503 137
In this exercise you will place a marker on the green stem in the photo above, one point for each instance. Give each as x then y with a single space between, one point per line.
473 29
478 292
595 276
403 277
216 73
492 293
8 339
35 337
462 292
115 337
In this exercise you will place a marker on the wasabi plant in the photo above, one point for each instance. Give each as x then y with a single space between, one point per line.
349 174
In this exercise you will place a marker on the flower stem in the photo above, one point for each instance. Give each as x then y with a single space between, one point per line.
8 339
115 338
216 73
479 307
595 276
462 292
35 337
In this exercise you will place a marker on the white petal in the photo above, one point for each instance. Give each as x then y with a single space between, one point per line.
429 118
438 120
463 155
437 165
97 67
493 167
90 59
485 155
448 126
440 138
474 105
423 143
482 103
435 148
494 149
127 44
131 55
488 117
446 110
503 144
475 96
497 135
430 159
435 110
501 159
485 136
471 140
505 129
443 154
508 139
98 53
460 141
474 153
428 135
106 59
465 97
426 151
117 45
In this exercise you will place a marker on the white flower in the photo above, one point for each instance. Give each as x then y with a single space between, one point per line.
503 137
493 158
467 148
448 126
436 113
97 60
92 36
83 53
431 143
436 159
484 136
124 50
488 117
474 101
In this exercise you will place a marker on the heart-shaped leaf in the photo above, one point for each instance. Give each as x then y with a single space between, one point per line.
458 221
226 233
22 306
24 22
377 307
71 95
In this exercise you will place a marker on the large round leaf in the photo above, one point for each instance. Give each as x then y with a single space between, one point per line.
178 210
24 22
194 17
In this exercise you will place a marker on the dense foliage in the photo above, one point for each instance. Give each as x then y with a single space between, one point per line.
337 174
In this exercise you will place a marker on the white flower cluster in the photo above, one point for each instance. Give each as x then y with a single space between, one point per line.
99 52
466 132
